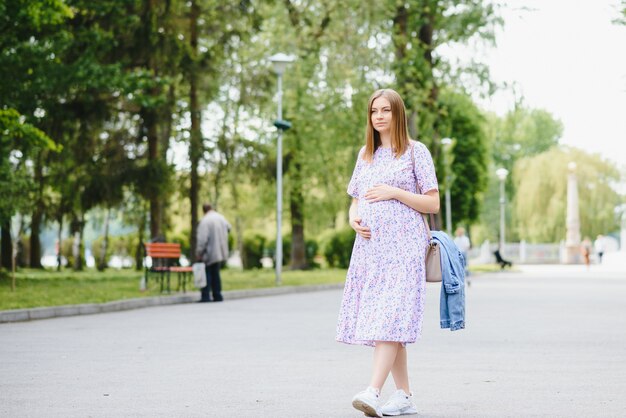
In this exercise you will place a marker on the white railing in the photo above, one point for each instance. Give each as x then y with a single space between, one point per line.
518 252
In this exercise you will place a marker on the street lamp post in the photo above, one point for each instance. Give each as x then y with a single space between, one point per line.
279 62
447 142
502 173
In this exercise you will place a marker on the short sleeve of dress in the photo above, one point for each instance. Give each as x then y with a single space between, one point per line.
424 168
353 186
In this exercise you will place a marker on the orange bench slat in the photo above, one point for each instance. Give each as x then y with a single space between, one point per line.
176 269
163 255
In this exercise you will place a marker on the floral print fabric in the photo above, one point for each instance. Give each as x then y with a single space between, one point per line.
383 298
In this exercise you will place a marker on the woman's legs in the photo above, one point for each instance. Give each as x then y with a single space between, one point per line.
385 354
399 370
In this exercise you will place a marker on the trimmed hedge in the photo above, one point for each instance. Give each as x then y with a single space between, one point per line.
311 248
253 247
338 250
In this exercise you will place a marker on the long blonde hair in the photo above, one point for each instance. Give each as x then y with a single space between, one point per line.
399 130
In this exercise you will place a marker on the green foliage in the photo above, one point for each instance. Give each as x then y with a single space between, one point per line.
540 204
121 245
253 246
182 239
18 142
67 251
521 133
310 250
463 121
420 28
339 248
112 82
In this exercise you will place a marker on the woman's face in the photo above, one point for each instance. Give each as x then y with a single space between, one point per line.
381 114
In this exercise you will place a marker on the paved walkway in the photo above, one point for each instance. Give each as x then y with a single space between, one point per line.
545 342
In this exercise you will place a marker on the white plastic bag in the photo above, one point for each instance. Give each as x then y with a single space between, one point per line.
199 275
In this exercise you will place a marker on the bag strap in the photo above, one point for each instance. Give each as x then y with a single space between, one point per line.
419 191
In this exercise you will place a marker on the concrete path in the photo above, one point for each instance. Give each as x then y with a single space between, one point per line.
544 342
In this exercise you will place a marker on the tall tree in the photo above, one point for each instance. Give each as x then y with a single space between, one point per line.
216 30
462 121
18 142
521 133
29 30
319 86
540 205
420 28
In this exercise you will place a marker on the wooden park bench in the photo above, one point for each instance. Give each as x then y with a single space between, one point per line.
165 257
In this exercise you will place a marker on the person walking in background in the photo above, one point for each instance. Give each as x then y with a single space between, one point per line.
212 250
393 183
599 247
585 249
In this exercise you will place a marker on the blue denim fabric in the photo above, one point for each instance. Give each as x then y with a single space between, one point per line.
452 298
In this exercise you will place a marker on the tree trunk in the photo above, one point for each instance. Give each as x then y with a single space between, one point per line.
102 259
6 246
149 114
238 222
15 250
35 243
80 263
14 261
139 251
195 143
153 158
35 223
60 244
311 38
296 206
77 227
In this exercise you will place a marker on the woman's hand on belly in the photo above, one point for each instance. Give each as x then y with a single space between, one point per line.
360 229
381 192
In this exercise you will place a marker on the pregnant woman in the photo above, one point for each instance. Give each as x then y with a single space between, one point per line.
393 183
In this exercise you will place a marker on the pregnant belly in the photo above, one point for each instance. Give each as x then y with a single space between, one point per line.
389 215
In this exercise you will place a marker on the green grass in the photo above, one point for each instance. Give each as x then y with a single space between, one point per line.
488 268
37 288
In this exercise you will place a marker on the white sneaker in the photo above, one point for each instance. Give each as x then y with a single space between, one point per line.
367 402
399 404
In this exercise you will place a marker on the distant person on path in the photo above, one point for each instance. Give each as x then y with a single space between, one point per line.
463 243
212 250
599 247
393 183
585 249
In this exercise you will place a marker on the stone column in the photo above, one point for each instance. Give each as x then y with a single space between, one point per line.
622 235
572 237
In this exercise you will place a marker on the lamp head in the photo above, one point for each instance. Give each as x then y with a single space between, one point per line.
282 124
280 61
502 173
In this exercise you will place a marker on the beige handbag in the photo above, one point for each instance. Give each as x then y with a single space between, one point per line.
433 257
432 262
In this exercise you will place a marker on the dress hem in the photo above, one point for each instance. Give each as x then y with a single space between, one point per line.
372 343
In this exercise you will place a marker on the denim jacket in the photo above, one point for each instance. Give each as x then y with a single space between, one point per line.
452 298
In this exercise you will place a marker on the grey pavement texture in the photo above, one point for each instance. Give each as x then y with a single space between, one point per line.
544 342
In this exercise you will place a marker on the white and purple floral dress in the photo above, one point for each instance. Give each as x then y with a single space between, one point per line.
383 298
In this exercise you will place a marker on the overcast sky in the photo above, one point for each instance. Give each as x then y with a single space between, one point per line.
567 57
